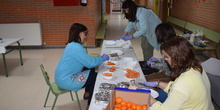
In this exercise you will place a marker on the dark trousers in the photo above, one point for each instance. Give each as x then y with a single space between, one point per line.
147 49
90 83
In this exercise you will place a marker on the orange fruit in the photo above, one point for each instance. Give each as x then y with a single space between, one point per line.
118 100
123 103
139 107
117 108
123 107
128 104
117 105
144 107
134 106
130 109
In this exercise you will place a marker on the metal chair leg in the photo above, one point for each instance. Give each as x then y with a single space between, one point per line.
55 100
47 98
79 105
216 54
71 95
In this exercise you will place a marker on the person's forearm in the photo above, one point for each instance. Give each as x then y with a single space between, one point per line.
152 100
162 85
133 37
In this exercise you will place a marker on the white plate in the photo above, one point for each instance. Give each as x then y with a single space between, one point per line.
126 59
119 52
154 93
107 77
110 42
115 62
131 63
129 79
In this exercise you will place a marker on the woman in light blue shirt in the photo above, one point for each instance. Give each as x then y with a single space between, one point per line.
143 21
75 69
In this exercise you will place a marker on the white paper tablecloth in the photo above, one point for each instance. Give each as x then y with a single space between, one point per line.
118 74
6 42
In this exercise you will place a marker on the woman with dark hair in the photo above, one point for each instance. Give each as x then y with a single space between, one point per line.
144 22
164 32
75 69
191 88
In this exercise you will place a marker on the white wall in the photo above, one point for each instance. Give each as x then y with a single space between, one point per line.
31 32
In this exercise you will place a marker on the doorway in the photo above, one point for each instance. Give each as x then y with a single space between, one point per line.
160 8
115 6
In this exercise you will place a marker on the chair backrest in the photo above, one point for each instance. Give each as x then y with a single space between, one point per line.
45 74
211 66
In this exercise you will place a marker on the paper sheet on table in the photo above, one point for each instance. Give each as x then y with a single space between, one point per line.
2 50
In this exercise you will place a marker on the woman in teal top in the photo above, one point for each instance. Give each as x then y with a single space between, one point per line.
143 21
73 71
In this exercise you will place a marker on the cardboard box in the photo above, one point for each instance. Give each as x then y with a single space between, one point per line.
138 96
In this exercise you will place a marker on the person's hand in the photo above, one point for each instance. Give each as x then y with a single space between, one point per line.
151 84
153 59
125 37
105 57
148 63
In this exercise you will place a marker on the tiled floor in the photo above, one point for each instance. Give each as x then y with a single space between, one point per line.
26 89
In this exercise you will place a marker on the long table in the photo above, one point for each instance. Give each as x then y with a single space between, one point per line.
118 74
5 43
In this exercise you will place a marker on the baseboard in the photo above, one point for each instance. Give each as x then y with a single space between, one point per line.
44 47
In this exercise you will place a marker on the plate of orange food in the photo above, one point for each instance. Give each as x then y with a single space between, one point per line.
112 69
125 69
111 63
131 74
107 75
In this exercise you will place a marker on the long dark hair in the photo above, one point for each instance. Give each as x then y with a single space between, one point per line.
74 32
164 32
131 15
182 56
